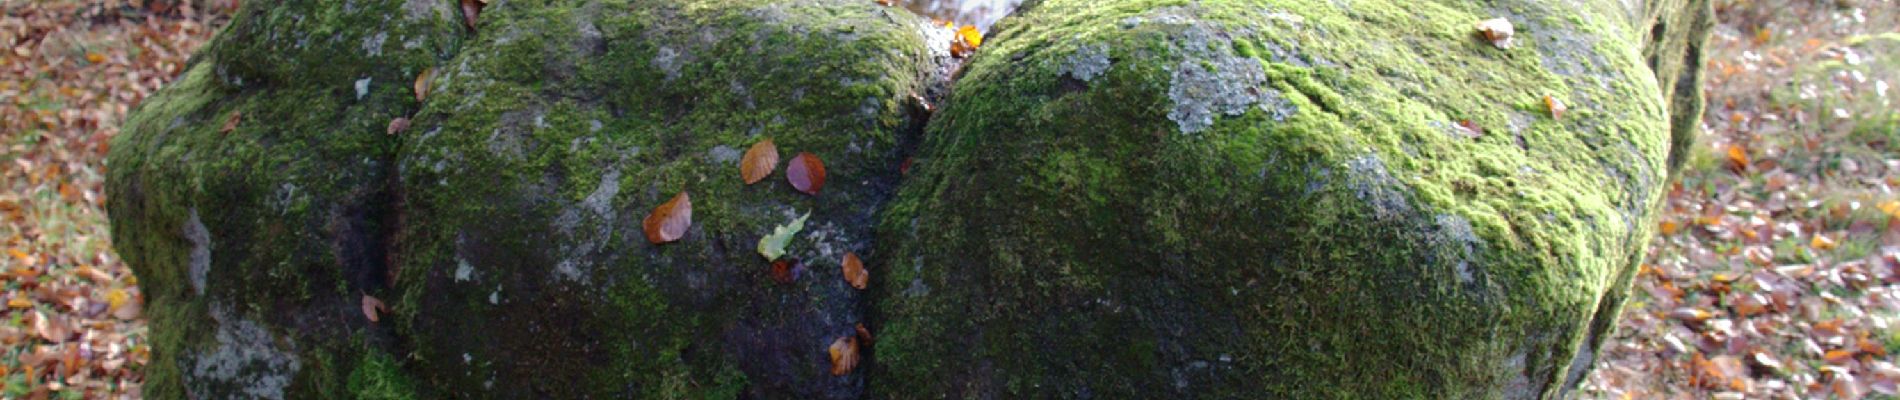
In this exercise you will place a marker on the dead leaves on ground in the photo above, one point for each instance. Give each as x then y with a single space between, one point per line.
669 221
966 40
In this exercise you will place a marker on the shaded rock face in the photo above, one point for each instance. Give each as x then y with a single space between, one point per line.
1217 198
503 227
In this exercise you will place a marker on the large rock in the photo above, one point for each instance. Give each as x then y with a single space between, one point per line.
1283 199
1122 199
503 227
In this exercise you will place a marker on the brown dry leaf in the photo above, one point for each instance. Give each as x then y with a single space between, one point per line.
1470 129
807 173
423 82
1669 227
968 38
785 270
19 302
1555 106
231 122
886 3
669 221
854 271
759 161
1842 356
864 334
844 355
1822 242
397 126
373 308
1497 30
472 9
50 329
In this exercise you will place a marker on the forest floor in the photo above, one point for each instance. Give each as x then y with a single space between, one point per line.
1774 274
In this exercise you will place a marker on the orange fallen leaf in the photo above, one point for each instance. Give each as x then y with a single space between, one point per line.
231 122
19 302
1737 158
95 58
373 308
844 355
669 221
854 272
759 161
1837 357
1556 107
1822 242
423 82
886 3
968 38
1669 228
807 173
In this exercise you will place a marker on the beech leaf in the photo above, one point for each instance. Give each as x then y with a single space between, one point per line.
854 271
844 355
773 246
397 126
785 270
1556 107
668 222
759 161
231 122
807 173
471 9
373 308
422 83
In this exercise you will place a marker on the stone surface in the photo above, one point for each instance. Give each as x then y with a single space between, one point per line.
503 227
1282 199
1121 199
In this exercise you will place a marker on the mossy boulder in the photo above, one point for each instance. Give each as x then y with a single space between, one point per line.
1283 199
502 228
1121 199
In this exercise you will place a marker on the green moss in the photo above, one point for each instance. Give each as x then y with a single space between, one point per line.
1326 226
380 377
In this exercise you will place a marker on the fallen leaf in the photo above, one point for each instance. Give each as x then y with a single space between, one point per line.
844 355
785 270
669 221
968 38
1497 30
854 271
1690 314
1838 357
864 334
52 330
1669 228
373 308
773 246
1555 106
886 3
423 82
1737 158
19 302
759 161
231 122
1822 242
807 173
397 126
1470 129
471 9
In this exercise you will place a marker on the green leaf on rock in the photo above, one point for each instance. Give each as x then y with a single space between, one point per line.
773 246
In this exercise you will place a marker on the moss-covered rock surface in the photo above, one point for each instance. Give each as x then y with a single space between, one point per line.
1279 199
503 228
1118 199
